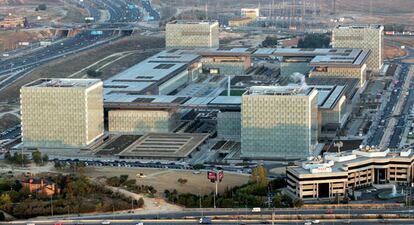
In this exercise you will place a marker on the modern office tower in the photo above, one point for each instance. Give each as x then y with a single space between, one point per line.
142 121
279 122
192 34
61 113
252 13
367 37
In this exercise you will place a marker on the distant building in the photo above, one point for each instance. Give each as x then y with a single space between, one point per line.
223 62
367 37
41 186
61 113
337 174
252 13
279 122
238 22
13 22
192 34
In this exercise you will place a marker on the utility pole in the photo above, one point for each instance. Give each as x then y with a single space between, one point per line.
51 204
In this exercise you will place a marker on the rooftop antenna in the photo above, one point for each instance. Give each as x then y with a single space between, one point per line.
206 9
370 7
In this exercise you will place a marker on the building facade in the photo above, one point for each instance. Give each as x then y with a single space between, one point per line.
61 113
229 125
252 13
142 121
337 174
279 122
367 37
192 34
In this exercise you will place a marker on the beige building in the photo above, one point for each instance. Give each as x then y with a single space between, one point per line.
61 113
367 37
337 174
192 34
142 121
279 122
252 13
238 22
352 64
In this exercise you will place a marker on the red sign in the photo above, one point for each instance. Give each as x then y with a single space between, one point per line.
220 175
212 176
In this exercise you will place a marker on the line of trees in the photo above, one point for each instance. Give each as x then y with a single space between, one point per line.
77 195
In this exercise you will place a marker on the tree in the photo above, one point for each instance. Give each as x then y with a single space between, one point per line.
298 203
259 176
2 217
45 158
314 41
113 181
93 73
42 7
140 203
5 200
270 41
182 181
37 157
123 178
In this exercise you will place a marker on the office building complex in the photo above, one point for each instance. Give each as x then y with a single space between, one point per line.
61 113
192 34
337 174
279 122
367 37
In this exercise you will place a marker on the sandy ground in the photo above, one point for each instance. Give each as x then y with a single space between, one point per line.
163 179
391 52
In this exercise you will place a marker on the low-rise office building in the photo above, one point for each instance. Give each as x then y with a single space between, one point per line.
192 34
142 121
61 113
349 65
238 22
337 174
226 62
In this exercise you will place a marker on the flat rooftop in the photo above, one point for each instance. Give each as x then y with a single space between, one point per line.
360 26
151 72
328 96
304 52
164 145
350 57
62 83
341 162
211 22
291 90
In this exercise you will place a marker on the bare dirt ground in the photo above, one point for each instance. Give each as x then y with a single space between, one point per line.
8 120
392 51
162 179
65 67
9 39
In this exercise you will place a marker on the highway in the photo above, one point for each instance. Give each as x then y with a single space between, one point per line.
221 222
153 14
120 11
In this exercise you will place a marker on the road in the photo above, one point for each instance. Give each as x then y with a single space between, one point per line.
221 222
120 11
